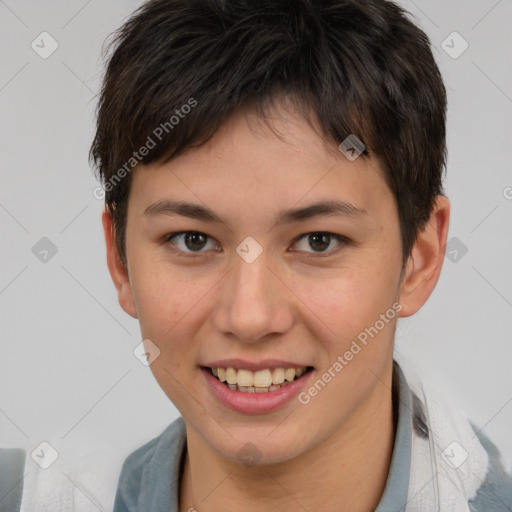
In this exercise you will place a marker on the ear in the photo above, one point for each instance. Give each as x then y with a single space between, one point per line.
426 260
117 270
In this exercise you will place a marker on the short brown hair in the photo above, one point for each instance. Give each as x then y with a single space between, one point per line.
362 68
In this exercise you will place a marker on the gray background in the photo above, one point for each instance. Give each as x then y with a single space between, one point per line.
67 371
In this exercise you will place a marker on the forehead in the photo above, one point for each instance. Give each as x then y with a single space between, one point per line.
252 165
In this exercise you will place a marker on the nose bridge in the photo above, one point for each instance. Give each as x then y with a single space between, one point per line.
253 305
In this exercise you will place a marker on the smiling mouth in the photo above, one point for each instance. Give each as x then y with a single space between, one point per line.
261 381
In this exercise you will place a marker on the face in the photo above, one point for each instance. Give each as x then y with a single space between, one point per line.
249 272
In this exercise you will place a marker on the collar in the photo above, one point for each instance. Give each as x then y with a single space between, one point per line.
394 497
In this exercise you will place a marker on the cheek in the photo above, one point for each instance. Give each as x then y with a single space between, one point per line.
345 300
168 300
344 311
169 306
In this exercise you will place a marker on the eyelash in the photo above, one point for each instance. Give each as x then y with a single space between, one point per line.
342 240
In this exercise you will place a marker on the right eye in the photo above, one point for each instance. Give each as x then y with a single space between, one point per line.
189 242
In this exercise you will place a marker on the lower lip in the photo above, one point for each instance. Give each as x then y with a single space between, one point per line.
255 402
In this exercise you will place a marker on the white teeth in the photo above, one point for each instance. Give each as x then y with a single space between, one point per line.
289 374
231 374
259 381
249 389
245 378
262 378
252 389
277 375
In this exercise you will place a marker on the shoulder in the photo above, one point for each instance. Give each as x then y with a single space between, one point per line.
467 464
12 466
154 451
147 472
86 483
495 493
82 484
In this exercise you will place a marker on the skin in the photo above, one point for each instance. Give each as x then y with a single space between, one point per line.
291 303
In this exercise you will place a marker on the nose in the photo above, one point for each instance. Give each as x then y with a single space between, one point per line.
253 302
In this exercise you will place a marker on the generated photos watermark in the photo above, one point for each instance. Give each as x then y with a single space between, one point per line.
355 348
151 143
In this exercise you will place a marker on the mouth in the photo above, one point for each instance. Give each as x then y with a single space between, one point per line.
261 381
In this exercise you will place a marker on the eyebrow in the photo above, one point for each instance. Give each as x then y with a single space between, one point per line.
205 214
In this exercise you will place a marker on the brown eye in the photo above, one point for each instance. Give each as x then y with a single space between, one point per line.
190 241
319 242
195 241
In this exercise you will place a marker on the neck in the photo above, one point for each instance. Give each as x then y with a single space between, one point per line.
347 472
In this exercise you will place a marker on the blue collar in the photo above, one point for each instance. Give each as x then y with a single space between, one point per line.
394 497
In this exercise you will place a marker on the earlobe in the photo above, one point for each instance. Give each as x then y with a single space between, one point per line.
116 267
426 260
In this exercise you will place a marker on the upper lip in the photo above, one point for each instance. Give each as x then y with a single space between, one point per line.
254 365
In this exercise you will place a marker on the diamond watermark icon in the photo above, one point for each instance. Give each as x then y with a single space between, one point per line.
44 250
454 455
44 45
44 455
146 352
454 45
455 249
249 454
352 147
249 249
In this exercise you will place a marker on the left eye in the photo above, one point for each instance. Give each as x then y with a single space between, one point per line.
319 241
193 240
